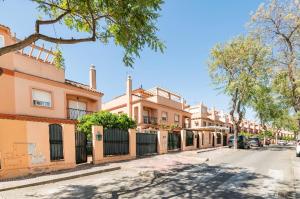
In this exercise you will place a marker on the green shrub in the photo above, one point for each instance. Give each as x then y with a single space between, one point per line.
107 120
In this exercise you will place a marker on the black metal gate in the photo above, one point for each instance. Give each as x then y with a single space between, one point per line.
224 140
174 141
116 142
81 148
198 140
189 139
146 143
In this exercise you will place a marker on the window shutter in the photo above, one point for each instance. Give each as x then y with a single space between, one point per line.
41 98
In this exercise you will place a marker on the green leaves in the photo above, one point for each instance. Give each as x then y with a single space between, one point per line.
105 119
59 60
239 64
131 24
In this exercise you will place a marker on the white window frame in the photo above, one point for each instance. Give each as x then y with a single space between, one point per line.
40 103
176 116
164 118
3 40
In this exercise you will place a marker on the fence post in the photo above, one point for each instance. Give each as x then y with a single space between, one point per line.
195 134
97 135
183 139
162 142
132 142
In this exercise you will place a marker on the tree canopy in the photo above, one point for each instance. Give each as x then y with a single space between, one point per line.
277 23
236 67
131 24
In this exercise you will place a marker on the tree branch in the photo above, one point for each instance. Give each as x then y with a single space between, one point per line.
43 22
34 37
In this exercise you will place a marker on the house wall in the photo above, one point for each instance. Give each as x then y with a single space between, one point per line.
119 105
7 95
30 65
16 91
25 148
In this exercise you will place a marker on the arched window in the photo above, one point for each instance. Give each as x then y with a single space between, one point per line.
2 43
56 142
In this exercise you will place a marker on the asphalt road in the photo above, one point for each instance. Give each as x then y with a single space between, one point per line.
256 173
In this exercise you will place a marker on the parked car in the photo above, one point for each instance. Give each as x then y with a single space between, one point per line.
281 142
255 142
242 142
298 148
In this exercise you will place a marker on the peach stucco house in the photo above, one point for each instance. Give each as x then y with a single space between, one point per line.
152 109
35 98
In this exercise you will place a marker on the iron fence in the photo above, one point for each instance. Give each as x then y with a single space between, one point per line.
116 142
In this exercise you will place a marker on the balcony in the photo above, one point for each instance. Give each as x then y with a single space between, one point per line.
150 120
74 114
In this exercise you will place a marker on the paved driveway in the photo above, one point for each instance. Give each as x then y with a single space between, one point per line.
256 173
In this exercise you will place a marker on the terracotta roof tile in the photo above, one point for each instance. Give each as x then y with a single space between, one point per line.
83 86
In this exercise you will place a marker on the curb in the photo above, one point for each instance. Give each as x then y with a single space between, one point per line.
60 179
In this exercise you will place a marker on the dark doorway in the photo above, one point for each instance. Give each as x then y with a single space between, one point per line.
224 140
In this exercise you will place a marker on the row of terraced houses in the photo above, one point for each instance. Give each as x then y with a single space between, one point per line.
39 108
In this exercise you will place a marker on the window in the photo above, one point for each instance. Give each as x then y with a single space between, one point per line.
204 123
41 98
164 116
196 123
176 118
76 109
2 43
209 140
56 142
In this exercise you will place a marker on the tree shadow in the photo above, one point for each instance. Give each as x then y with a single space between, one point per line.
185 181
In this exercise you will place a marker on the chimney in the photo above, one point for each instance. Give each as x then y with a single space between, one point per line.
129 96
93 77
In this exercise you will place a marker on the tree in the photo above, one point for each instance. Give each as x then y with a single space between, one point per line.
265 105
107 120
278 24
236 67
130 23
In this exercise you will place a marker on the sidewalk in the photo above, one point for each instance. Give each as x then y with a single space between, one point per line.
40 179
147 165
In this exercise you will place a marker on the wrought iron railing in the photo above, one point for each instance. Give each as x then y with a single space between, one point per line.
74 114
150 120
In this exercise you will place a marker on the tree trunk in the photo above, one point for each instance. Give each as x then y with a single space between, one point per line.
235 134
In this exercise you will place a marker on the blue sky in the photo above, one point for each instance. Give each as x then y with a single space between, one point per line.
188 29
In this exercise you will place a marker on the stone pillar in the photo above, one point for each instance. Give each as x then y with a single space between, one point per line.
195 139
162 142
183 137
97 135
132 143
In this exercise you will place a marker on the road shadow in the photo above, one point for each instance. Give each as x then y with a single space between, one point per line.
184 181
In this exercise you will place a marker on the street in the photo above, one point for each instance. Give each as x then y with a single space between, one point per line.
269 172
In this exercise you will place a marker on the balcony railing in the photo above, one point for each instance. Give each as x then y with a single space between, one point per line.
74 114
150 120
